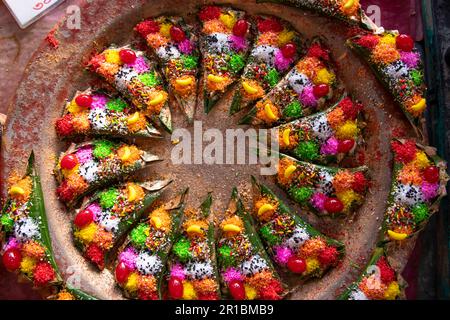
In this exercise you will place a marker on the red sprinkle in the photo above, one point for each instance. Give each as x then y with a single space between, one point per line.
209 13
64 125
51 39
328 256
387 274
43 274
146 27
64 192
360 182
271 291
368 41
404 152
317 51
96 61
95 254
271 24
350 109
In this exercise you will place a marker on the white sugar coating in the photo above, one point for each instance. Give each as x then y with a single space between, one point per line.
168 52
254 265
123 77
321 129
325 184
407 194
26 229
264 54
89 170
297 239
109 222
298 81
199 270
397 69
148 264
218 42
98 118
357 295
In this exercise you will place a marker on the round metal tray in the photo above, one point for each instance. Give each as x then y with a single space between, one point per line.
54 74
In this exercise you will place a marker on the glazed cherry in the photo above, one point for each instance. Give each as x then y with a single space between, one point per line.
69 162
175 288
333 205
296 264
84 100
345 146
127 56
83 218
237 290
405 42
289 50
11 259
431 174
321 90
177 34
122 272
240 28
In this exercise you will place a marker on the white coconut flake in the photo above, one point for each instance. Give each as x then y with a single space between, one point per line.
89 170
408 194
298 81
199 270
98 118
397 69
148 264
254 265
168 52
325 184
321 129
26 229
264 54
297 239
357 295
218 42
109 222
124 77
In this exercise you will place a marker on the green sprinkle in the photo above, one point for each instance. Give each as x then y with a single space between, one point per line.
420 213
293 110
268 234
417 77
302 194
102 149
7 222
272 77
139 235
236 63
116 105
181 249
149 79
226 256
190 62
307 150
108 198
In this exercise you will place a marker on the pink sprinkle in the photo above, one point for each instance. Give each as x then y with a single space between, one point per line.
429 190
318 201
411 59
238 43
95 209
99 101
307 97
330 147
178 271
84 154
282 255
139 65
282 63
12 244
232 274
186 46
128 257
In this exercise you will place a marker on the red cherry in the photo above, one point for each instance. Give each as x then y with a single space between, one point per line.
240 28
83 218
333 205
321 90
296 264
405 42
69 161
237 290
84 100
11 259
127 56
177 34
345 146
122 272
289 50
175 288
431 174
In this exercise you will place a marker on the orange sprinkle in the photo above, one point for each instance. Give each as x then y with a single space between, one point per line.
156 40
34 250
205 286
336 118
312 247
385 53
309 66
261 113
214 26
410 173
343 181
268 38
